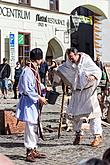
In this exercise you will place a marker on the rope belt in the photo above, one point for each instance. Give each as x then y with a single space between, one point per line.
24 94
84 88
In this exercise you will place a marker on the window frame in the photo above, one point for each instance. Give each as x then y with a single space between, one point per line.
54 5
22 57
25 2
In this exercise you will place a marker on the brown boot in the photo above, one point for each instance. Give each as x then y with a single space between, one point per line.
97 140
29 156
37 154
78 138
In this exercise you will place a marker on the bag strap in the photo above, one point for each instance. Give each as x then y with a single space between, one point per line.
2 70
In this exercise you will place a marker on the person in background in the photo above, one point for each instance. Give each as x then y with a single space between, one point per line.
50 74
4 160
28 108
18 70
56 80
99 63
5 71
84 76
43 72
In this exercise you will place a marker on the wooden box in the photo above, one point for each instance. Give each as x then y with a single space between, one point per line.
8 123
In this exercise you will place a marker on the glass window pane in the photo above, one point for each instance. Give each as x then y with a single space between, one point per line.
27 39
54 5
26 51
57 5
25 2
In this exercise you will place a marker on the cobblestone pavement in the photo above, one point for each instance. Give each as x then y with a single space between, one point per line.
59 151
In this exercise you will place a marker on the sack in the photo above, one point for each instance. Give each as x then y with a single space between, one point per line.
51 96
104 76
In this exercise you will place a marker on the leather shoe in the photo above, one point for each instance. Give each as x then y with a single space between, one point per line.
29 156
96 141
37 154
77 139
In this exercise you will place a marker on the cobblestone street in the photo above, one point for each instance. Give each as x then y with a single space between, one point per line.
59 151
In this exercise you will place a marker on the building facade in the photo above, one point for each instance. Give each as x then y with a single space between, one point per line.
26 24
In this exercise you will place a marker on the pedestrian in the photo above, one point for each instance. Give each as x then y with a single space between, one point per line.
100 64
5 71
51 68
43 72
56 80
18 70
4 160
28 106
83 75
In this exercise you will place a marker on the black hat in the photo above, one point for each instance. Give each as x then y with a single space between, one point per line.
4 59
36 54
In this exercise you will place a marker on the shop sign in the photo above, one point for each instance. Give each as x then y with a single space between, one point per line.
66 37
20 39
12 40
86 20
12 49
51 20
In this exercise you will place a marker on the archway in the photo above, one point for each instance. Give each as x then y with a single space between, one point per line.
54 51
85 38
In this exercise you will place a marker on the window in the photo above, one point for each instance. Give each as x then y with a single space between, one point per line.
23 47
26 2
54 5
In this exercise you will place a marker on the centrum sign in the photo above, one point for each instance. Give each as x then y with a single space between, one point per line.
15 13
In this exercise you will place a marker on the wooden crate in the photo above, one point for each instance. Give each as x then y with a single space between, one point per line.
8 123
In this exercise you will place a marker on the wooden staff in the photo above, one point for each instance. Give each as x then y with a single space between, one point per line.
61 117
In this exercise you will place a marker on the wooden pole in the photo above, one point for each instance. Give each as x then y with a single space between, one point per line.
61 113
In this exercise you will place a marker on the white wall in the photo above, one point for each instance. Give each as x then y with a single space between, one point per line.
106 41
44 4
12 1
72 4
68 7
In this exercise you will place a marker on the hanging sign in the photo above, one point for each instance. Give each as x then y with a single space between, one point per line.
20 39
12 49
86 20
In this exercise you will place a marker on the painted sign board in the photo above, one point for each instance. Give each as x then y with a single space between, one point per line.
12 49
